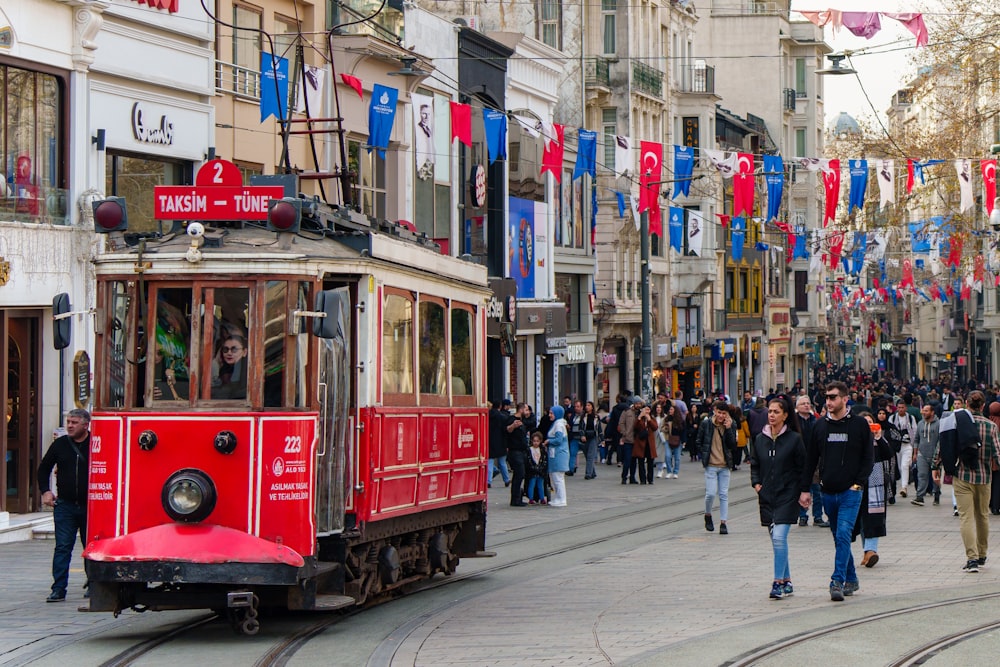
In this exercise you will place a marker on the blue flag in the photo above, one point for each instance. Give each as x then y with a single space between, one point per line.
774 176
621 204
677 228
858 256
586 155
273 99
859 183
683 170
800 251
918 168
920 237
381 116
495 127
739 226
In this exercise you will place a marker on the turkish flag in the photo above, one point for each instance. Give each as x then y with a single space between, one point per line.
979 267
461 123
552 155
650 170
831 183
354 82
955 251
743 185
836 247
989 168
907 280
966 293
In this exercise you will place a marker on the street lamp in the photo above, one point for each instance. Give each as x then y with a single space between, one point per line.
836 68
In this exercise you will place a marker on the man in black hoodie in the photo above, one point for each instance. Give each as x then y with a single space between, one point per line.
842 441
69 455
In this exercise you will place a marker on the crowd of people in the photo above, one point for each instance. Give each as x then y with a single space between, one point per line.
844 453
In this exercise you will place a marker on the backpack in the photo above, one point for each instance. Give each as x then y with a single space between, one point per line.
958 441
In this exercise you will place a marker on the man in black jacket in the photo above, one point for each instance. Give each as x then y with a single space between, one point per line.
69 455
843 441
517 453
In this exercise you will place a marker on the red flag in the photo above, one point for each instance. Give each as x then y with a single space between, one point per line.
650 171
723 219
955 251
743 185
978 268
552 156
966 293
461 123
909 176
989 168
831 183
907 280
354 82
836 246
935 292
790 246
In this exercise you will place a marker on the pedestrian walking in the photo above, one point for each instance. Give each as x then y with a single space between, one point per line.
717 447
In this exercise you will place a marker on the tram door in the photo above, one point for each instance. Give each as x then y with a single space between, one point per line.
20 392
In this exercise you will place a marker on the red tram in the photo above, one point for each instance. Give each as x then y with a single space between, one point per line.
283 419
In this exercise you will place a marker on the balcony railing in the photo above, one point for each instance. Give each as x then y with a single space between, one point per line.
699 78
242 81
647 79
597 72
743 307
788 95
34 204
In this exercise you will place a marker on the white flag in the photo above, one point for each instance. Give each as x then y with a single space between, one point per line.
634 200
423 129
310 89
813 163
696 231
529 126
547 131
886 175
816 252
964 169
623 155
724 162
879 239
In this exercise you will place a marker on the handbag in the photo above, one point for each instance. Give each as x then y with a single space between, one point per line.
674 440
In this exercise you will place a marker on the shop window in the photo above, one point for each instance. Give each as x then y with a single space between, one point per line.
568 291
134 177
369 190
397 345
31 147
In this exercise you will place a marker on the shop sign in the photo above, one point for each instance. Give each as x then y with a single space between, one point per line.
6 37
779 321
609 359
502 306
576 353
162 134
81 379
549 319
691 351
218 194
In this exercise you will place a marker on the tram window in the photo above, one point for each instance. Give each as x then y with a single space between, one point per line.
433 349
225 334
461 352
301 350
171 349
118 341
397 345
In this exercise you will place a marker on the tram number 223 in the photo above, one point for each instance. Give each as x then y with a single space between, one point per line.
293 444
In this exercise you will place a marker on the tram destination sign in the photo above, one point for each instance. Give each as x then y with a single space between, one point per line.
218 194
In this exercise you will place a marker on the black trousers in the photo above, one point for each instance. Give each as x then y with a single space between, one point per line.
516 459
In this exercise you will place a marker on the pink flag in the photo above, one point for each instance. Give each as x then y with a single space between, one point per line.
461 123
915 24
354 82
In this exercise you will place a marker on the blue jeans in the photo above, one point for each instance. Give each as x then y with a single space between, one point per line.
574 451
717 484
817 504
69 519
842 512
501 463
536 489
673 460
871 544
779 541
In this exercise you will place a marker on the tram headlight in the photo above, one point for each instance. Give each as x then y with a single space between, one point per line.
188 496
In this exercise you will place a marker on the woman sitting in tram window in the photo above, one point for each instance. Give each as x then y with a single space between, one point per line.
231 380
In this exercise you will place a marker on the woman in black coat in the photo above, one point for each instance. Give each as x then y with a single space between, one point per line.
777 460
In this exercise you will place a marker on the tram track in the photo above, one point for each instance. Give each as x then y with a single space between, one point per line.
281 651
913 657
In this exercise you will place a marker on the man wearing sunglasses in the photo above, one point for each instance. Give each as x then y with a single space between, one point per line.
842 441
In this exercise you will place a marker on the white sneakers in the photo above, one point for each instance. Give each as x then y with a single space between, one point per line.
659 474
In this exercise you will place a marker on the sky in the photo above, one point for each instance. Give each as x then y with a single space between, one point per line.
881 62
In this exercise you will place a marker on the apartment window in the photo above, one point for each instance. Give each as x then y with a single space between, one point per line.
370 187
31 147
550 23
800 77
248 170
246 43
609 8
568 291
286 31
800 142
801 295
609 121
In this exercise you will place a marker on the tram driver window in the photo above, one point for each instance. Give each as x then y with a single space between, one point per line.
226 333
172 345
